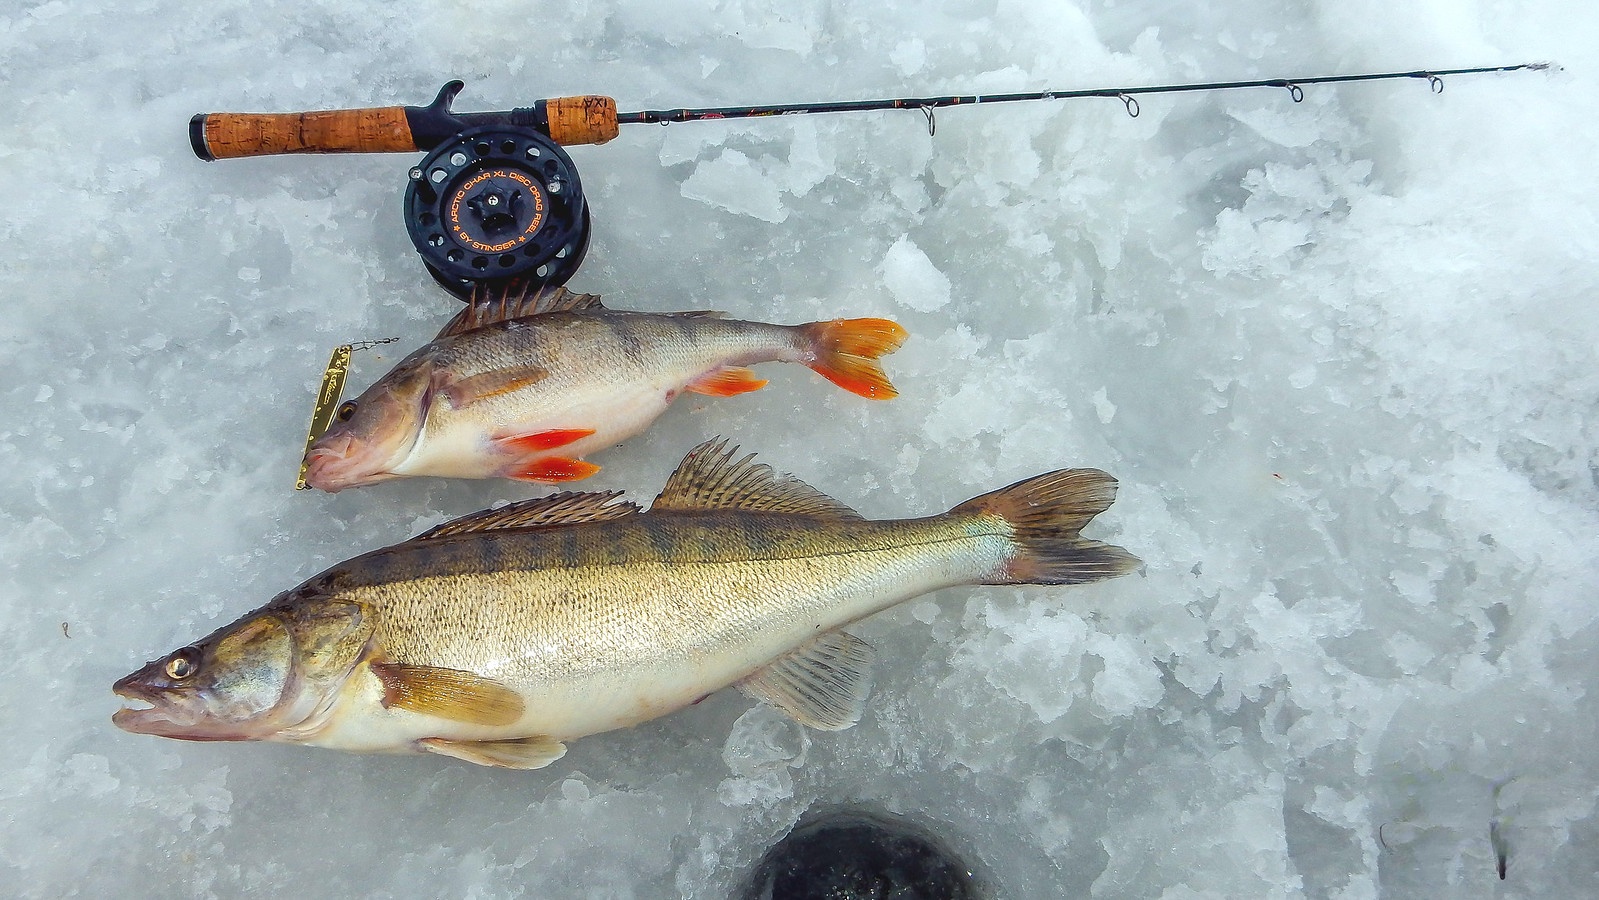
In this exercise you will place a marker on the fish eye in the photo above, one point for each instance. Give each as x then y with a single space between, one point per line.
181 666
346 410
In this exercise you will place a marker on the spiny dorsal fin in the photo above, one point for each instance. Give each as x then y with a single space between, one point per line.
568 508
448 694
709 478
821 685
493 304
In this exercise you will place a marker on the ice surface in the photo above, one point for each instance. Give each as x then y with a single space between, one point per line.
1339 353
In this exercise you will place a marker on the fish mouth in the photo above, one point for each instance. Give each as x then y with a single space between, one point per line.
317 464
153 711
328 464
147 712
338 462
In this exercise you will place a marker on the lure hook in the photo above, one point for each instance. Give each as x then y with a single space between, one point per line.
1131 102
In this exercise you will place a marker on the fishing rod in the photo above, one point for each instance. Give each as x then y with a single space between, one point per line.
594 119
497 197
1127 95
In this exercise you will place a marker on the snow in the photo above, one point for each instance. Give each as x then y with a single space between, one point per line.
1339 353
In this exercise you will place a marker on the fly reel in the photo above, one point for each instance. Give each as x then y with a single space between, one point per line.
495 203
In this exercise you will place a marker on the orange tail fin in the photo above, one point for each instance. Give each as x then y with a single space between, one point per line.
846 352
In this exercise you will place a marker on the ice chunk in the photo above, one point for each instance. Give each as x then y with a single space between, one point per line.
909 56
733 183
912 278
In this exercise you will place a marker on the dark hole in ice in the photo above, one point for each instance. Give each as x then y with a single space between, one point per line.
857 855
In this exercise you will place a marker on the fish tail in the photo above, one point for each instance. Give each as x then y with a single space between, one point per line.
845 352
1045 514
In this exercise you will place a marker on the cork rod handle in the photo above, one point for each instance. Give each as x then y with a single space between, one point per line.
581 120
393 129
233 135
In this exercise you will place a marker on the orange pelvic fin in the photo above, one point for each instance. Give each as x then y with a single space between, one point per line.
553 470
727 381
539 441
846 350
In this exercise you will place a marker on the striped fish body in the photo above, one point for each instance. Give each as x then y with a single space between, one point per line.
592 380
526 389
498 636
601 626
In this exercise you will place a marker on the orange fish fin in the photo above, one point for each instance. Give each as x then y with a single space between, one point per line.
709 478
467 391
491 305
845 352
553 469
521 753
726 382
447 694
567 508
540 441
821 685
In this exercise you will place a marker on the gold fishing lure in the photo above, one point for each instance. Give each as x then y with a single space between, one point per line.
327 398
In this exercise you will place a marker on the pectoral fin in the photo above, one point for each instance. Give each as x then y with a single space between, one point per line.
526 753
475 388
448 694
539 441
821 685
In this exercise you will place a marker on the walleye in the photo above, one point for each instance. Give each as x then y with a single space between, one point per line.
496 637
524 387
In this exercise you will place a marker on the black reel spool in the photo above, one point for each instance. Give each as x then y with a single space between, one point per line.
497 203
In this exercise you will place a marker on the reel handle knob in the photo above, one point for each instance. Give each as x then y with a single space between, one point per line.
233 135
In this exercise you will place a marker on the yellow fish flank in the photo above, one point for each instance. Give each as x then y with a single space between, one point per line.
496 637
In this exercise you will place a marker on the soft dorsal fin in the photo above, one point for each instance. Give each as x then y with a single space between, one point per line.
569 508
822 684
709 478
492 305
